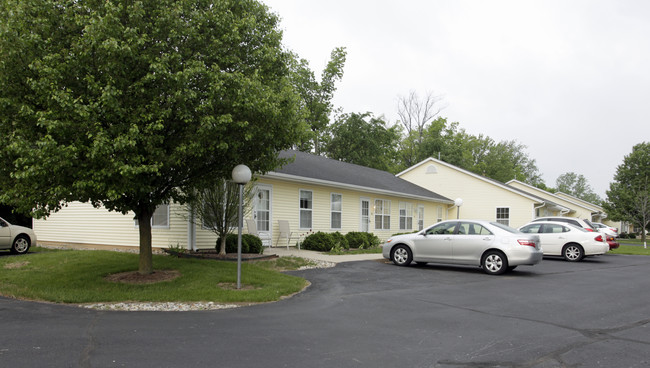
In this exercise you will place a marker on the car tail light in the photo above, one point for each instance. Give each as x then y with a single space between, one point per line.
530 243
599 238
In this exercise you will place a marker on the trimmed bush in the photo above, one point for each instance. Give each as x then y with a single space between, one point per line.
249 244
362 240
319 241
340 240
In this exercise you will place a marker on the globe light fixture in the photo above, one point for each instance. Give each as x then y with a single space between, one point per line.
241 175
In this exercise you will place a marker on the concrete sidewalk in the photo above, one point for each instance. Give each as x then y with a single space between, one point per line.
318 256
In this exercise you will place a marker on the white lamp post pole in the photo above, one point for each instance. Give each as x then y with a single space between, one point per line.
241 175
458 202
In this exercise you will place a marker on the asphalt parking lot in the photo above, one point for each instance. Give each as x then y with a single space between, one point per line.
595 313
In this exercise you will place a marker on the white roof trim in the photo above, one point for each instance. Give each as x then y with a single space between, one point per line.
583 205
328 183
489 181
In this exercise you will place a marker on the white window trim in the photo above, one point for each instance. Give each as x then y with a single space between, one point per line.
310 210
332 211
383 214
407 207
496 212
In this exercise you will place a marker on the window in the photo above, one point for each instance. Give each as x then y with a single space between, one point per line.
439 218
405 216
382 214
160 217
420 218
470 228
306 204
503 215
446 228
336 208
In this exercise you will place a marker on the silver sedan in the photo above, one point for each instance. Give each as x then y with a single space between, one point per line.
490 245
16 238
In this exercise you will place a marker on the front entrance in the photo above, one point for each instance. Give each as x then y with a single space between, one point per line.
262 212
365 215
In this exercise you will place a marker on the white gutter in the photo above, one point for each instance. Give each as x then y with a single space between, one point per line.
328 183
536 208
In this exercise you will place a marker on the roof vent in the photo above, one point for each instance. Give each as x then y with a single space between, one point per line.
432 170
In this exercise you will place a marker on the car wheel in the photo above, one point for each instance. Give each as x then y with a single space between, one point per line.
573 252
402 255
21 245
494 262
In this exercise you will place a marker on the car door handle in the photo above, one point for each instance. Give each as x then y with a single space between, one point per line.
487 238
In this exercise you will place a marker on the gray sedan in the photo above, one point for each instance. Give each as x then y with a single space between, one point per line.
495 247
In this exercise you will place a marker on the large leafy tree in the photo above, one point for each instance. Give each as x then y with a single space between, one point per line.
628 197
316 97
365 140
132 104
577 186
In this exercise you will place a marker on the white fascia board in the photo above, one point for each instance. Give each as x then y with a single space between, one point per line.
479 177
359 188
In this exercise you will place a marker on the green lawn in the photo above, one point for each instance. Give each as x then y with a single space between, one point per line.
631 249
74 276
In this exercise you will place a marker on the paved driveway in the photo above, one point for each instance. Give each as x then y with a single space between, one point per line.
368 314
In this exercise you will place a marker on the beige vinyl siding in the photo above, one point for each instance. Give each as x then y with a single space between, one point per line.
81 223
285 206
480 198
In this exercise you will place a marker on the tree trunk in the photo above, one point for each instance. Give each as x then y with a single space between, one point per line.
145 266
222 248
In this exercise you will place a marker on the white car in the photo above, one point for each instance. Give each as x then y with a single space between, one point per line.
566 240
16 238
492 246
607 230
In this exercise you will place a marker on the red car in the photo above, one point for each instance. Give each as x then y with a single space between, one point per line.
611 241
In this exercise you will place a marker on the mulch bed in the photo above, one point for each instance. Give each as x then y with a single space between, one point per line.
213 254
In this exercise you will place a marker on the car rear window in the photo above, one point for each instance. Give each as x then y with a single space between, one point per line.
506 228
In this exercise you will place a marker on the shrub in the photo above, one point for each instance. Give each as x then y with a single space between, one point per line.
362 240
340 241
249 244
319 241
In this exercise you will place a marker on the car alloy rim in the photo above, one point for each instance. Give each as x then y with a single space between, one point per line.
21 245
572 252
493 262
401 255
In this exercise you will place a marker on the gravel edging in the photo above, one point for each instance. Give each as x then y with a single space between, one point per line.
183 306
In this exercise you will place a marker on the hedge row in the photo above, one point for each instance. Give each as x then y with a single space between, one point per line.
324 242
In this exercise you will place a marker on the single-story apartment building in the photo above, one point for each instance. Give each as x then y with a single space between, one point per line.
312 193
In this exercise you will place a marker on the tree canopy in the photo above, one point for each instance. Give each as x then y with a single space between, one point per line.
577 186
628 197
365 140
132 104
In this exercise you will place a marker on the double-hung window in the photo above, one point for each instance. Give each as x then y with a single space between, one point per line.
420 218
405 216
306 206
382 214
336 207
503 215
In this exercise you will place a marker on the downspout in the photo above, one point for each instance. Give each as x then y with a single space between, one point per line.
564 211
536 208
191 231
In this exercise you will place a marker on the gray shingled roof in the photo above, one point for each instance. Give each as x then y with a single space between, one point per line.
320 168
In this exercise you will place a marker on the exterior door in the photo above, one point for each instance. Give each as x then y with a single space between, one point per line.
365 215
262 211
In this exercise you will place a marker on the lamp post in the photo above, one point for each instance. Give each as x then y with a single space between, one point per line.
458 202
241 175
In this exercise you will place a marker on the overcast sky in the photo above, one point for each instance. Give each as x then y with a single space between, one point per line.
568 79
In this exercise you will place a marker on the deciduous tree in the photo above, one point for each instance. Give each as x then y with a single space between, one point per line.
628 197
577 186
131 104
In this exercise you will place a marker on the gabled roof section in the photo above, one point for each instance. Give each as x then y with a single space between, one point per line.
497 183
565 197
320 170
